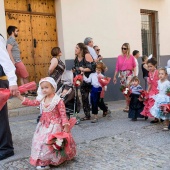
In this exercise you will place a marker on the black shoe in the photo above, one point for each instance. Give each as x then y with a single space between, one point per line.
161 120
154 121
4 156
32 93
146 117
85 118
134 119
26 95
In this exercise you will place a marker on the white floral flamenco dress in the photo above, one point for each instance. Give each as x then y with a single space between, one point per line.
161 98
52 121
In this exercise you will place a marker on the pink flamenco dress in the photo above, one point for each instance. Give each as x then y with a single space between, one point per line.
52 121
153 82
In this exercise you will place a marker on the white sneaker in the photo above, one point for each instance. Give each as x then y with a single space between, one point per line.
42 167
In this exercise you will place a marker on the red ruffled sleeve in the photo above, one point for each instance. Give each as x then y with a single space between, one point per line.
29 102
62 112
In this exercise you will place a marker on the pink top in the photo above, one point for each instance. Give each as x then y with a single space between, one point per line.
153 81
124 63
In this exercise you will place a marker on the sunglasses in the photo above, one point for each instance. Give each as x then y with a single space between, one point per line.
98 50
124 48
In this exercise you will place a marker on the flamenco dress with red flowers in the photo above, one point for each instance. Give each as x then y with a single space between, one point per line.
153 82
52 121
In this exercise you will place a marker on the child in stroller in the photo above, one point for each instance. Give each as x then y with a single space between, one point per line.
69 94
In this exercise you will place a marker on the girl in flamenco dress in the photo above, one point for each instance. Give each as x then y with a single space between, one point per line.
161 98
52 121
152 89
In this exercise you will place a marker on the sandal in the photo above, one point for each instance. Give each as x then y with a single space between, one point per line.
105 114
94 121
85 118
126 109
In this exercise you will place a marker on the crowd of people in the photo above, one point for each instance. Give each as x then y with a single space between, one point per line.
89 63
151 100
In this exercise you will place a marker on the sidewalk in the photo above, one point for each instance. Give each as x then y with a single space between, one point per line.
15 108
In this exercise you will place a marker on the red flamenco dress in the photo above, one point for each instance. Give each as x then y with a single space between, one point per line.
153 82
52 121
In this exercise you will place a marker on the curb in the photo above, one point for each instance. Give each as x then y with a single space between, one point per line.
22 111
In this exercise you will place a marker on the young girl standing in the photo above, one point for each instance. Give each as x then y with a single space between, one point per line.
152 88
135 106
161 98
53 120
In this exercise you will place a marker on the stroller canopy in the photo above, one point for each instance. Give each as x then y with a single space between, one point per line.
67 78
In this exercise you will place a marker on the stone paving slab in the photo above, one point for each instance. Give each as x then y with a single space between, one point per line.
113 143
109 153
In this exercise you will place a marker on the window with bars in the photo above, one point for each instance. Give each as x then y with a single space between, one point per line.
150 33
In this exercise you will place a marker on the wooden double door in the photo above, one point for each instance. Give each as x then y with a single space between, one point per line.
36 22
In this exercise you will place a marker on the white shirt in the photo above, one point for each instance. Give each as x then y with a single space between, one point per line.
137 67
5 61
93 79
162 86
92 52
168 71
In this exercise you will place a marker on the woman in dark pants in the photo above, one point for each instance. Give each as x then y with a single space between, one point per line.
83 63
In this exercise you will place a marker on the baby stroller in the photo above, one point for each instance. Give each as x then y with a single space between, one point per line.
69 94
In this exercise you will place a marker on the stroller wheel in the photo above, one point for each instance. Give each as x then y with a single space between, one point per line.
78 121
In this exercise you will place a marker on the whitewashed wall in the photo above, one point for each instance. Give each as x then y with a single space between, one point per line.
110 23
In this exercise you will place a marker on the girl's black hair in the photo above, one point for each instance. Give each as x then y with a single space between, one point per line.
152 61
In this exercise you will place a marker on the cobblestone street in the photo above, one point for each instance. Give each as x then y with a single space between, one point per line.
113 143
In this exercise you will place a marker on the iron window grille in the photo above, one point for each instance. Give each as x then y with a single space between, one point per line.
150 33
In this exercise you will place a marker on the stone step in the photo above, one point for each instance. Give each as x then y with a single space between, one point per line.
15 108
